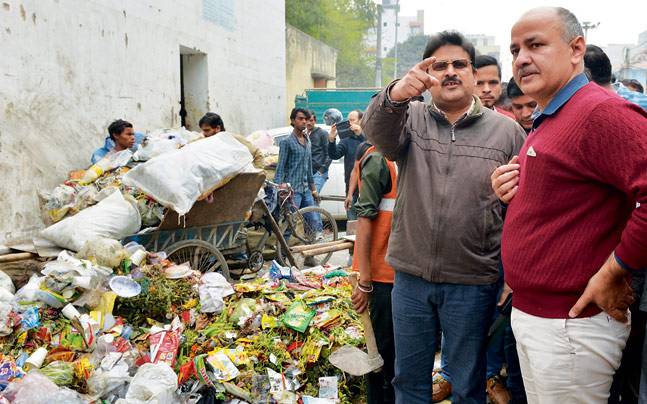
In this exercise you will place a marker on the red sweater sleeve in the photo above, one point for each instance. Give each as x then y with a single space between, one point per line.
615 151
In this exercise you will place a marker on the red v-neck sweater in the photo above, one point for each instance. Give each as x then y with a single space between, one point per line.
582 172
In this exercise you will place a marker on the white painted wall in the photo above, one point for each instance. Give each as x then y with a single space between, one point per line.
69 67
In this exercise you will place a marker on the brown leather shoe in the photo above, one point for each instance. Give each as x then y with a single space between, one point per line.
496 391
441 388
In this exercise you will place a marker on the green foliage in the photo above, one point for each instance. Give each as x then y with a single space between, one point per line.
409 53
341 24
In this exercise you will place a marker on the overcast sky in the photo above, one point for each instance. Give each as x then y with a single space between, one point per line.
620 20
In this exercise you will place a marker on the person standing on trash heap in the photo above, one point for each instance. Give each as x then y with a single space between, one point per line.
445 239
295 166
121 136
523 106
347 148
573 233
374 207
319 144
212 124
488 83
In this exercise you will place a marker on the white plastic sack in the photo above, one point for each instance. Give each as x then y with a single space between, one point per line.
6 296
153 383
28 292
35 388
6 283
114 217
104 251
155 146
213 288
178 178
104 381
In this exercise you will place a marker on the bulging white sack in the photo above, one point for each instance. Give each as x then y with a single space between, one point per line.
114 217
177 178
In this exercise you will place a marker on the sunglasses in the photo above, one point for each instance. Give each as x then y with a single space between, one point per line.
442 65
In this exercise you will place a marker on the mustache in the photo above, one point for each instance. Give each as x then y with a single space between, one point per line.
448 80
523 71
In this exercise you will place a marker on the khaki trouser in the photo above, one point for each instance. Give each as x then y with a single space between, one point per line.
568 360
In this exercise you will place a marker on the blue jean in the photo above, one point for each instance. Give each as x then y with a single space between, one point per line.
303 200
464 313
320 180
501 348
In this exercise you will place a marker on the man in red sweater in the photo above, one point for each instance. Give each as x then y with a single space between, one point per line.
574 228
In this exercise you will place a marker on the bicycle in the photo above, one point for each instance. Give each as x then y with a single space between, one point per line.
298 226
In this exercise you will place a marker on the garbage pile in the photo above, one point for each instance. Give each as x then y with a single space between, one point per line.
126 191
118 324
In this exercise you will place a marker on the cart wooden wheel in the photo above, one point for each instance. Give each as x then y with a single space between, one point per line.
201 255
303 233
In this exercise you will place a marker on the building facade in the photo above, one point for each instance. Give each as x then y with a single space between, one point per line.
70 67
485 45
310 63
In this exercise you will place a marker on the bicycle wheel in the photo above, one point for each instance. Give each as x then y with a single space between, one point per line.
303 232
201 255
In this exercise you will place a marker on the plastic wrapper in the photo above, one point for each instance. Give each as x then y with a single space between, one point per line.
28 292
30 318
6 283
61 373
103 381
223 368
206 165
110 162
57 203
151 212
298 316
213 289
114 217
104 251
153 383
244 310
68 268
9 371
164 346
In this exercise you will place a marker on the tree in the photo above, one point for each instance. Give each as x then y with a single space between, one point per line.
409 53
341 24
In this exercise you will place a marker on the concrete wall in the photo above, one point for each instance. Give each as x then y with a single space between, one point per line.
307 59
69 67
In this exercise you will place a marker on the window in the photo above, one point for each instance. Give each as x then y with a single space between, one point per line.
385 24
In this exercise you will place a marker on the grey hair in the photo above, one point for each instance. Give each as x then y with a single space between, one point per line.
571 26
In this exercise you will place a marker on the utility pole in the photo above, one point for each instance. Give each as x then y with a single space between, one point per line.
378 49
395 48
587 25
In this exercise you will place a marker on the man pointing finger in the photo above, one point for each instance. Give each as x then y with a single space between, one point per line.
445 237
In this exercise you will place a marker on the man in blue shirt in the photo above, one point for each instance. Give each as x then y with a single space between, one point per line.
121 136
295 165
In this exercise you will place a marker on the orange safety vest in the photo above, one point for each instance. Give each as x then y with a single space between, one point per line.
380 227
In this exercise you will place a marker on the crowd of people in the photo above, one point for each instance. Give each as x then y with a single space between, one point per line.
509 235
517 238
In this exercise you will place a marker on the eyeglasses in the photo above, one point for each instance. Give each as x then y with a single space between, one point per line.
441 65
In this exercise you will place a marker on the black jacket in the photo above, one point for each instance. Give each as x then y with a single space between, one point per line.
319 145
346 148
